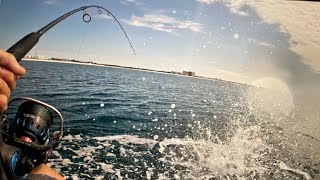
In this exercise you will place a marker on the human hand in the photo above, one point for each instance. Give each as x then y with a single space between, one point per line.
10 71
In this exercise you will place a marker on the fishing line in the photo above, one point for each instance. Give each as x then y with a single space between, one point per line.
81 43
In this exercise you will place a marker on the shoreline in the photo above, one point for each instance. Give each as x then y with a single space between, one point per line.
131 68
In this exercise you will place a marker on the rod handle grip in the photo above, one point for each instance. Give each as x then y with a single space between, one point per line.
22 47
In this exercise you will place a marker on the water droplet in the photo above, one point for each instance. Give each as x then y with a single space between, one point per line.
155 137
102 105
83 103
193 115
236 36
173 106
114 122
215 117
149 113
174 12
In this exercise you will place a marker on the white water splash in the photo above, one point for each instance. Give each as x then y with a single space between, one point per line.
211 157
283 166
243 155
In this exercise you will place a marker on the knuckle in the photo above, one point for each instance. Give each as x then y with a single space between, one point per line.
11 80
3 99
3 102
4 88
11 57
8 77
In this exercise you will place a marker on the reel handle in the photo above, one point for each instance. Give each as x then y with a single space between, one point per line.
22 47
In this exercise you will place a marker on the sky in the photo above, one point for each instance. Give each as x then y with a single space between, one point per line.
271 43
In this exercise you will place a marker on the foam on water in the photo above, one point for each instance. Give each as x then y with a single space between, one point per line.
283 166
245 155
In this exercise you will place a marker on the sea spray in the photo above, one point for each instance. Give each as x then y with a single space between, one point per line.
241 155
133 156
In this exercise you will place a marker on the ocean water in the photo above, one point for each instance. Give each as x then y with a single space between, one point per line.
129 124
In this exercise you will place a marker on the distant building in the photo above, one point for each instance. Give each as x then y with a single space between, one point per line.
188 73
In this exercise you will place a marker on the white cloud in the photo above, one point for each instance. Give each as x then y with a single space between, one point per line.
104 17
258 42
261 43
299 19
129 2
233 5
163 23
50 2
207 1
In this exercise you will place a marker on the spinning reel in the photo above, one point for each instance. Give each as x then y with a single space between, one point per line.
27 137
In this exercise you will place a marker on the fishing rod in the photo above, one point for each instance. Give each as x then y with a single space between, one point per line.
24 45
25 139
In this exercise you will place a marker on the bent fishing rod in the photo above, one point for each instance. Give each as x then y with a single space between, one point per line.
23 46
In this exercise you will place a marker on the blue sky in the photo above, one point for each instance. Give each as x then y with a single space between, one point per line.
232 40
